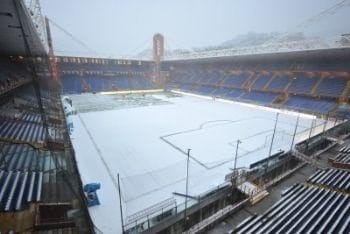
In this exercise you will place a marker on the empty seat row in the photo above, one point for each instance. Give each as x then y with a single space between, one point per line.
333 178
79 84
259 97
310 104
204 89
331 87
260 82
235 80
303 84
344 149
24 157
343 158
279 83
14 113
294 102
18 188
19 131
299 84
303 209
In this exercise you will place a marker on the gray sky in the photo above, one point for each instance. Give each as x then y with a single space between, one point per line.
124 27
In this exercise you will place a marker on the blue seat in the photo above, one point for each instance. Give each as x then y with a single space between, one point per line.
302 84
261 82
311 104
279 83
259 97
331 87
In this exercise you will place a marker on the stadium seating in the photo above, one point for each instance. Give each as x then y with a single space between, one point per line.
343 158
205 89
23 132
78 84
332 178
235 80
259 97
19 187
235 93
302 84
261 82
186 87
279 83
71 84
322 205
97 84
221 92
310 104
216 84
214 78
332 87
12 75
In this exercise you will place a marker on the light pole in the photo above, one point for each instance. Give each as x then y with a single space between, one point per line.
188 162
325 126
120 204
295 132
313 122
235 162
236 155
272 140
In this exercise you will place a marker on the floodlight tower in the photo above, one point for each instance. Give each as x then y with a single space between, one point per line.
158 55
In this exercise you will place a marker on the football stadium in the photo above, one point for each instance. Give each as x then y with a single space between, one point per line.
254 139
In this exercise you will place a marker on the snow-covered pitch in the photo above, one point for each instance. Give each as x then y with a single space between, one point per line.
145 140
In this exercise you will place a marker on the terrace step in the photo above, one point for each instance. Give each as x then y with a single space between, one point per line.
346 90
253 81
269 82
288 85
255 193
314 89
249 81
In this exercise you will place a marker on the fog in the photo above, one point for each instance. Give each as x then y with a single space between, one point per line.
125 27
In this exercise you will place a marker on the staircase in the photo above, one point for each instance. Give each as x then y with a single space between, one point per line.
314 89
287 86
269 82
281 99
254 193
309 160
247 84
346 91
253 81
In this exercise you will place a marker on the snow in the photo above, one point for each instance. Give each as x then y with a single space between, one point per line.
146 145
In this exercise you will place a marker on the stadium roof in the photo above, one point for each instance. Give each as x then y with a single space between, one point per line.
15 16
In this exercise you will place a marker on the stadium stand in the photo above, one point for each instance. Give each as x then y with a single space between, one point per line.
314 82
332 87
302 84
261 82
35 155
333 179
321 205
279 83
310 104
235 80
259 97
80 75
12 74
341 159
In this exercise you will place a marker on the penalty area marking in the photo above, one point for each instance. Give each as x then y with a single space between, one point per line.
201 126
